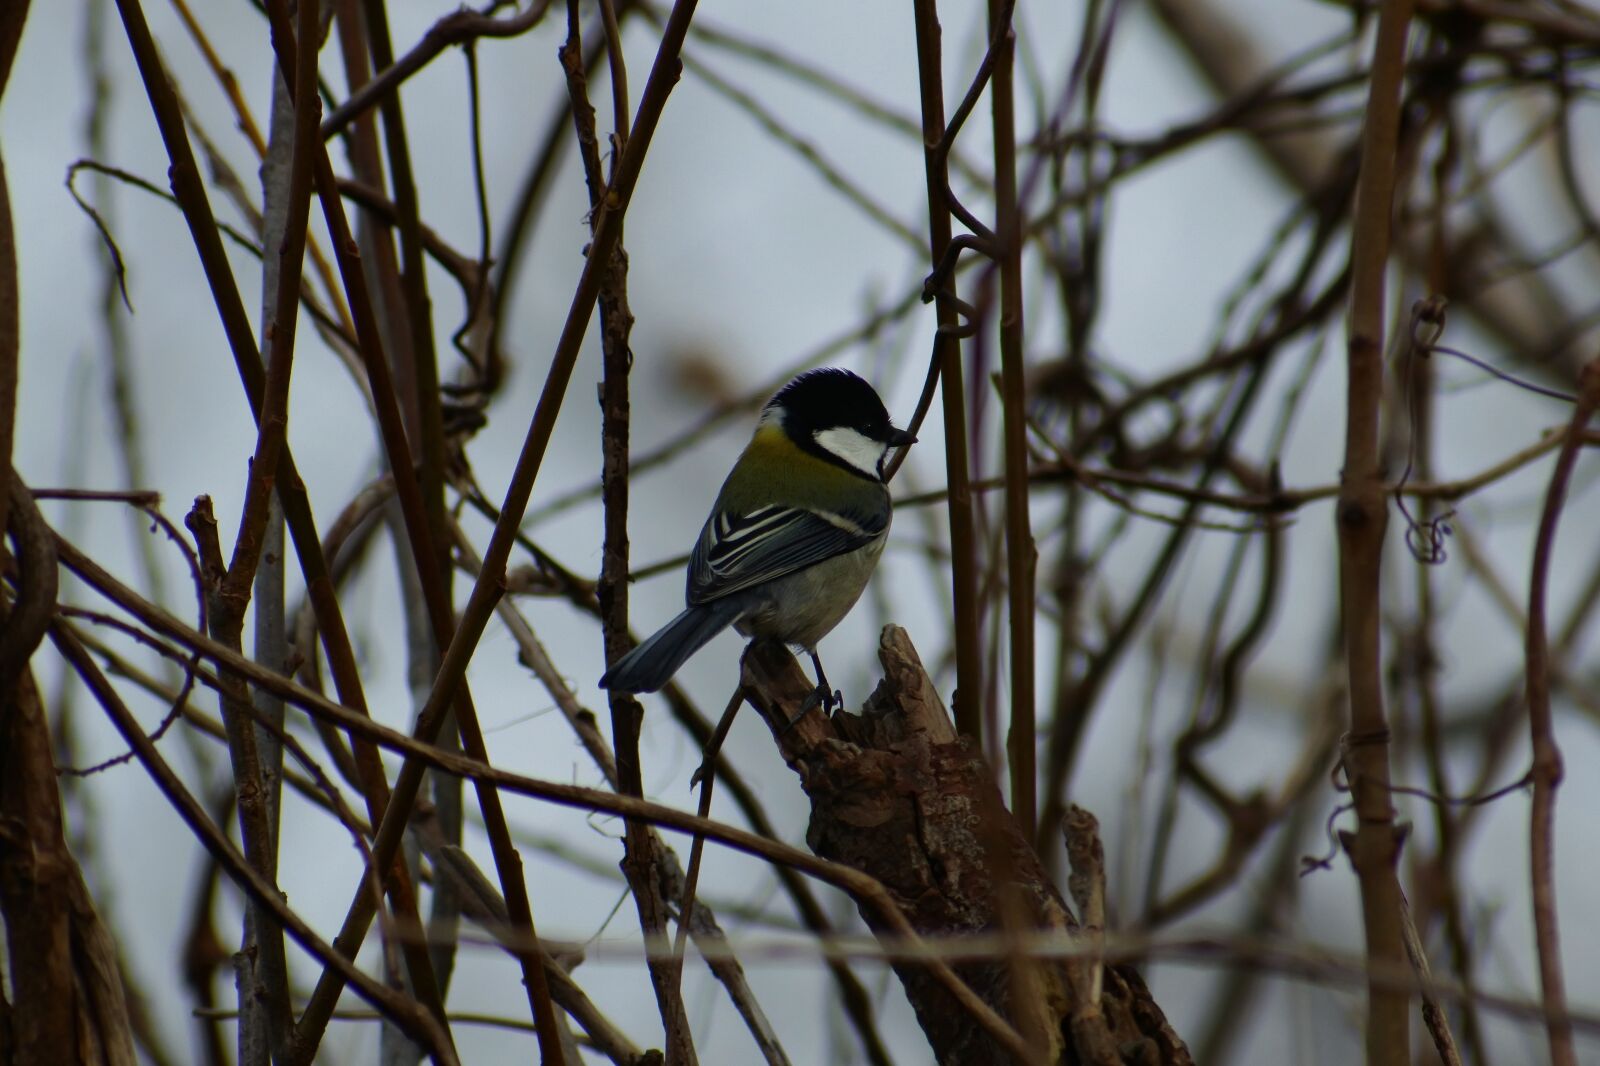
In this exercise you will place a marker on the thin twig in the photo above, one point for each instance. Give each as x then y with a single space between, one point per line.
458 27
1021 555
945 362
1546 770
1374 846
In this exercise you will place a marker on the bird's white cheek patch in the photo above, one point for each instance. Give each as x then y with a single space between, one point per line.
857 449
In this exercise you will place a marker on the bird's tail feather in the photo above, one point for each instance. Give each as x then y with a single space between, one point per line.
650 665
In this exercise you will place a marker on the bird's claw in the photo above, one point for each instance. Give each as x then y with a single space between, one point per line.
819 695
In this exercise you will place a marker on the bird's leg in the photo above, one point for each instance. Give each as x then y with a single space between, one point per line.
824 693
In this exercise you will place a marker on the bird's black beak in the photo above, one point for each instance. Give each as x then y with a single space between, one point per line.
899 438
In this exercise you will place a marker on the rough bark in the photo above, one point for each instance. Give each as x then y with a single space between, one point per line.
897 794
67 1002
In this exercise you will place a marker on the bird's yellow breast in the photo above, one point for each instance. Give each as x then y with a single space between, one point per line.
783 472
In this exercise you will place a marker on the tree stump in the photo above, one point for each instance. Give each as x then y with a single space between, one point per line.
896 794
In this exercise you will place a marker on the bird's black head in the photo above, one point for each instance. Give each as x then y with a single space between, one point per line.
836 415
833 397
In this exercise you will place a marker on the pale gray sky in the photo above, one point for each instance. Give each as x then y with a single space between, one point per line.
741 251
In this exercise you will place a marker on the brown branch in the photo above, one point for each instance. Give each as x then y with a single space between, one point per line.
10 320
1434 1018
458 27
639 857
946 365
225 617
1021 554
411 340
1546 771
1362 516
1435 876
377 250
1066 470
1325 969
229 591
413 318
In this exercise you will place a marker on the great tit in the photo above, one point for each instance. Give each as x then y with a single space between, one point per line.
794 534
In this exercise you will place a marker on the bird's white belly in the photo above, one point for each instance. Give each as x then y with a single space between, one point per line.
802 607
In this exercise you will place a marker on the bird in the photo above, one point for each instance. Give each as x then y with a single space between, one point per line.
794 534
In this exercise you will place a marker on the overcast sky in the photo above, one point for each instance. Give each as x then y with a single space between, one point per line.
741 255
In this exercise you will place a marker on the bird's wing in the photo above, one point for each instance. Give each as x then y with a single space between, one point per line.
736 551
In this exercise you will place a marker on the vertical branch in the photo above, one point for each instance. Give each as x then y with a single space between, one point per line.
1029 1008
1425 660
422 650
968 701
366 164
1020 554
10 337
1546 771
411 318
640 854
12 17
278 336
618 70
428 430
264 988
1434 1019
36 948
1374 847
262 974
277 187
1425 671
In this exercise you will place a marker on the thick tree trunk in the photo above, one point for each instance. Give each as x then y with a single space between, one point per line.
896 794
